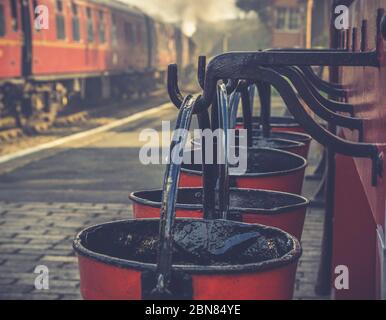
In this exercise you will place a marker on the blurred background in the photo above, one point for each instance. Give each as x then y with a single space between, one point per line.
232 25
61 60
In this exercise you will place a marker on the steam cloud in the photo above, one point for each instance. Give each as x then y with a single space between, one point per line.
188 12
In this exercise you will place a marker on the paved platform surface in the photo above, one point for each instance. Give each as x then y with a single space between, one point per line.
46 199
33 234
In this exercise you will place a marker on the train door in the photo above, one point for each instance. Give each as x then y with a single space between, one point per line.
151 43
10 39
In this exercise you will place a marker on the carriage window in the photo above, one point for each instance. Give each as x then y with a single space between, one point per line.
114 30
15 23
90 26
281 14
60 24
75 23
294 19
2 21
287 18
102 34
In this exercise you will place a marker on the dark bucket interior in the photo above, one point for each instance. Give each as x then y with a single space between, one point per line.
261 161
257 200
196 242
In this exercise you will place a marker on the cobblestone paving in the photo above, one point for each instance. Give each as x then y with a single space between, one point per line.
33 234
309 262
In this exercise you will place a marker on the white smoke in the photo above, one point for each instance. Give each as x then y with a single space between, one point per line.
188 12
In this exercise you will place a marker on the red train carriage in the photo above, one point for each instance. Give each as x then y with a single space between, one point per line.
360 208
11 52
10 40
54 51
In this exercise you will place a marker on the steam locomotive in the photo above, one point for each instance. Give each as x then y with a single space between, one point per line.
55 52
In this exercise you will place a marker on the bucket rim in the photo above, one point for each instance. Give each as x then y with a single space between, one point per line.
136 198
264 174
289 144
306 136
276 121
289 258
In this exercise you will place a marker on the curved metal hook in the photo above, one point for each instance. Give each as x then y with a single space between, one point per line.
231 85
327 87
172 82
209 172
332 105
201 70
265 93
243 65
333 88
203 116
320 134
315 105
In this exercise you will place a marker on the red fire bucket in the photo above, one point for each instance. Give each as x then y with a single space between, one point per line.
271 208
268 169
277 124
117 260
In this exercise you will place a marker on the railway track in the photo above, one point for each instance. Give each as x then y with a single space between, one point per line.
13 140
74 115
9 131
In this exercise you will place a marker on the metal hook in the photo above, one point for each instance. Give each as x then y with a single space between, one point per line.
334 106
209 172
248 66
265 93
242 65
320 134
303 88
172 83
230 87
333 89
201 71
